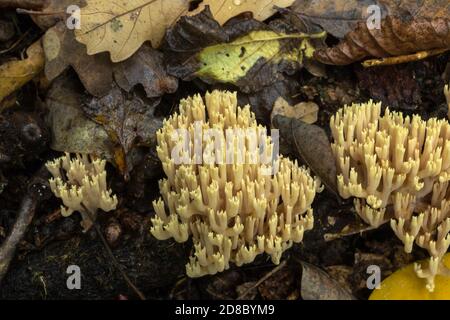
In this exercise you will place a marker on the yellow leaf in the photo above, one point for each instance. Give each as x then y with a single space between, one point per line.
14 74
229 62
223 10
405 285
122 26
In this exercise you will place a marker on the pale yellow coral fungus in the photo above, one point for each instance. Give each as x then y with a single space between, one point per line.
222 193
401 165
80 182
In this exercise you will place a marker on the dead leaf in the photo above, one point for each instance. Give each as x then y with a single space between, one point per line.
14 74
251 61
318 285
406 27
313 146
62 50
261 101
121 28
54 11
145 67
304 111
129 122
71 130
223 10
263 55
335 17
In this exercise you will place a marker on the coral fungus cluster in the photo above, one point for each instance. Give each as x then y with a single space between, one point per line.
80 182
234 210
397 167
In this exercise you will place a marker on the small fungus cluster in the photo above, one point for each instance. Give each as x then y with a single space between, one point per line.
399 168
232 210
80 182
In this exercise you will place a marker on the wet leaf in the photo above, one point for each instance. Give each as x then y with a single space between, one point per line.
313 146
406 27
128 120
62 50
14 74
318 285
304 111
223 10
121 28
145 67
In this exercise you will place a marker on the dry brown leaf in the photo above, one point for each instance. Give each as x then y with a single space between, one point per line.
223 10
129 121
54 11
312 144
14 74
62 51
121 27
318 285
304 111
145 67
406 27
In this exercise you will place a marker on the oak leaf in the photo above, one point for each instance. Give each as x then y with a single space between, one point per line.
121 27
223 10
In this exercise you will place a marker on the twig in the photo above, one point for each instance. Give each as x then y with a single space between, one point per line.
37 191
403 59
260 281
113 258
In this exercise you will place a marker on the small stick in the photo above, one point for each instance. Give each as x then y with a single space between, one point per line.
37 191
403 59
260 281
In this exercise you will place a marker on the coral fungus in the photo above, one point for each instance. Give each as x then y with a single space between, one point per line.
80 183
397 167
235 203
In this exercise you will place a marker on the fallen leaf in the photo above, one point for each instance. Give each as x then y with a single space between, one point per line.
62 50
145 67
54 11
313 146
192 33
223 10
121 28
252 61
406 27
304 111
14 74
128 120
318 285
262 101
335 17
260 54
71 130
